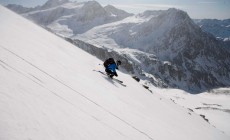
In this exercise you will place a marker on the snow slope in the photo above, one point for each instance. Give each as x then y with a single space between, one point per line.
214 106
49 91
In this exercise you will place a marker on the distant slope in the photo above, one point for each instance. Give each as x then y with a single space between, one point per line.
49 91
219 28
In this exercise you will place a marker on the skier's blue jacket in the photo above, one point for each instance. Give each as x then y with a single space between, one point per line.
112 67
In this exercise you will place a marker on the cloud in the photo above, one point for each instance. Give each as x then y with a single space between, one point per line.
207 2
146 6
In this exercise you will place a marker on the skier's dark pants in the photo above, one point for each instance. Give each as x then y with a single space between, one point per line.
110 73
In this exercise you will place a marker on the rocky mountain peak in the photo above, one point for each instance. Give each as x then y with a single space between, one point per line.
92 10
174 16
116 12
92 4
53 3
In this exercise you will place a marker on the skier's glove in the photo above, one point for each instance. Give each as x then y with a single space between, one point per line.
116 74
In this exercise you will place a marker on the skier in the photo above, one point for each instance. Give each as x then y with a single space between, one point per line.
111 66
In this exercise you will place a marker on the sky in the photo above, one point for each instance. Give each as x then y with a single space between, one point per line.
197 9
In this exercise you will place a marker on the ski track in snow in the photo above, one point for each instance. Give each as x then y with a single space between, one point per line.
55 79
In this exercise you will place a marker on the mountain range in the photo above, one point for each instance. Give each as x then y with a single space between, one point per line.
164 48
69 18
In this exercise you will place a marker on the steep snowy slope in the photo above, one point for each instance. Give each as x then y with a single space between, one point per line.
49 91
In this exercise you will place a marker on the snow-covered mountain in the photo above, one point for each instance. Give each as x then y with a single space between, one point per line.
177 51
49 91
116 12
68 18
219 28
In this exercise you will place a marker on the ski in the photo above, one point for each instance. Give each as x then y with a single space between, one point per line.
117 80
114 79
